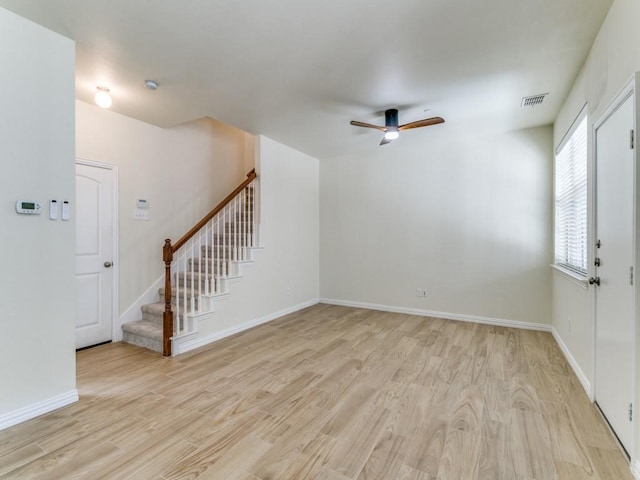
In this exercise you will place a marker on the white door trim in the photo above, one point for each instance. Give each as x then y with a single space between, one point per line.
630 88
116 331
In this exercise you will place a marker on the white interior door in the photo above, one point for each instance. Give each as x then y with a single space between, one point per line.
615 294
94 254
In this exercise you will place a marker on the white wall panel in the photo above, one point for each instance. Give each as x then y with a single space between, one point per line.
468 219
37 358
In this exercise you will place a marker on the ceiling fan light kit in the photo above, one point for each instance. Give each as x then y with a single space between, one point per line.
391 128
391 134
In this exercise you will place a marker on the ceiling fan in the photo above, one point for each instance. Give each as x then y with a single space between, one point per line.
391 128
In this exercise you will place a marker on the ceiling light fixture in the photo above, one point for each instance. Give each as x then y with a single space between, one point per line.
102 97
391 134
151 84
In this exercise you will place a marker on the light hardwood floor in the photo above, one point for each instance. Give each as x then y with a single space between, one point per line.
328 393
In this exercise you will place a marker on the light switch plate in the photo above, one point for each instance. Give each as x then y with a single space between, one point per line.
139 214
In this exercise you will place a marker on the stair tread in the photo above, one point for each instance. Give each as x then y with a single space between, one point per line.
144 328
157 308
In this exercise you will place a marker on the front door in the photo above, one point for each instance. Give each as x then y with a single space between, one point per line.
94 254
614 249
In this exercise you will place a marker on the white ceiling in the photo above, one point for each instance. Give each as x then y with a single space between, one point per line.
298 71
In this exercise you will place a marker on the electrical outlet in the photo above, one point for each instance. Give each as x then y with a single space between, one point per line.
421 292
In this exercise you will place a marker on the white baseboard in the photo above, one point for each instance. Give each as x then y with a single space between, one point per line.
586 384
449 316
133 313
40 408
635 469
188 343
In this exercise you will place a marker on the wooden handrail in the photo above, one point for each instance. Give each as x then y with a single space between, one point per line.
167 257
185 238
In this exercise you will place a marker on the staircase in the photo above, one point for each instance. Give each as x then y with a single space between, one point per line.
198 268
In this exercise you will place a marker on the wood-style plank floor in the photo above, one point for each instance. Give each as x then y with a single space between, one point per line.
328 393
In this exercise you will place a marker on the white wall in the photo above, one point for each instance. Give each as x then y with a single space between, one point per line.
467 219
183 172
37 358
613 59
285 274
289 216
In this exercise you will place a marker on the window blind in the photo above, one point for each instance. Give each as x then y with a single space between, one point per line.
571 200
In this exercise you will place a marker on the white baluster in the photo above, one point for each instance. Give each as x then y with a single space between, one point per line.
243 201
185 303
192 302
216 265
223 259
253 213
237 231
197 254
207 289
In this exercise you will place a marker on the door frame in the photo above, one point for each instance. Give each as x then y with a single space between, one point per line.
116 331
630 88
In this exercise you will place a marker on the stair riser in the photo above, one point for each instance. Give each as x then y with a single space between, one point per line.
158 318
238 227
174 294
218 252
143 342
228 253
200 262
214 268
154 317
248 207
188 281
242 237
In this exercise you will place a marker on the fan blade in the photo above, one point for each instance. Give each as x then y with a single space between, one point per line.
385 140
422 123
368 125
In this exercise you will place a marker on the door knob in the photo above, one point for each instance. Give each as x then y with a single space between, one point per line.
594 280
107 264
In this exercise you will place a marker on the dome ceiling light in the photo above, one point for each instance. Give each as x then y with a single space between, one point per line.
103 97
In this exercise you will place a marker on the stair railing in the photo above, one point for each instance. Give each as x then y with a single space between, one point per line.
200 259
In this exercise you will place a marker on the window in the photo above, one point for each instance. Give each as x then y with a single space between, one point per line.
571 199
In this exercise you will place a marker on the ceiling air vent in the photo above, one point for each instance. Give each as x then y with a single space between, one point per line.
533 100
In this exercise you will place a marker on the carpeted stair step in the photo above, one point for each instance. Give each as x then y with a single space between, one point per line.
189 279
143 333
218 251
180 291
210 265
238 226
243 237
153 312
228 252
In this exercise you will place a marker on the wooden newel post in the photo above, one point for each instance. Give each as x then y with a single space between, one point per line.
167 324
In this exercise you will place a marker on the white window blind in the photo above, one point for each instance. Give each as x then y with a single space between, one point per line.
571 200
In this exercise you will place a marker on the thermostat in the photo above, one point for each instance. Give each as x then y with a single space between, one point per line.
28 207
